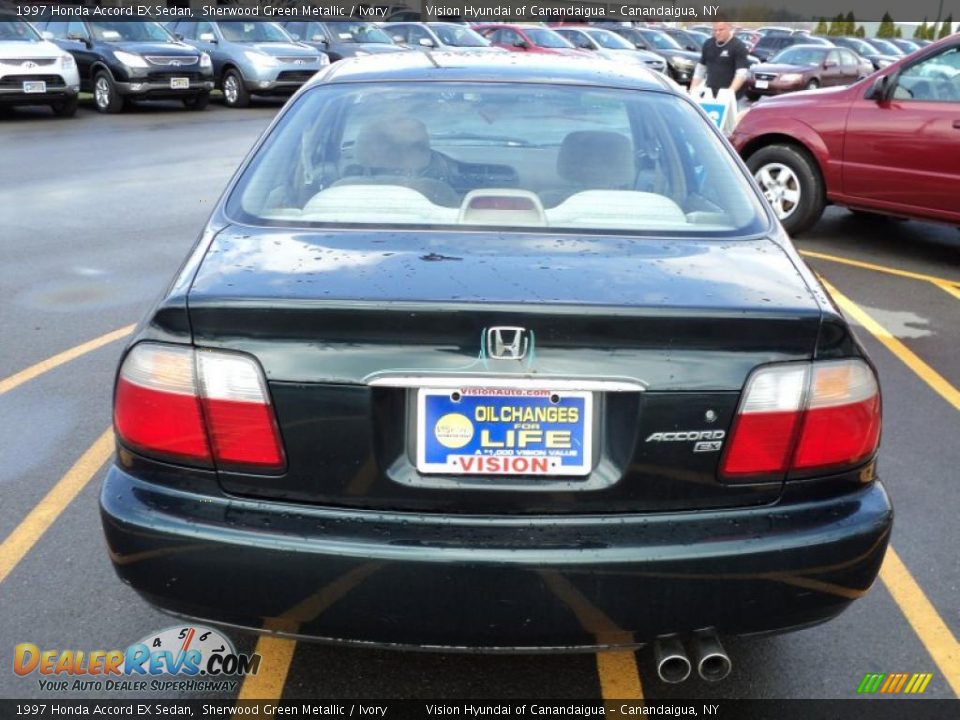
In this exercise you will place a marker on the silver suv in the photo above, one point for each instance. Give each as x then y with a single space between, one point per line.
34 71
252 58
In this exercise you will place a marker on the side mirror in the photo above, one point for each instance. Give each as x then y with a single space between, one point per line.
585 45
523 44
398 39
178 36
47 35
427 42
830 63
207 37
882 88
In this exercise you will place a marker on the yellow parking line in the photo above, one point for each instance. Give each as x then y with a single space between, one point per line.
923 617
9 383
879 268
949 289
277 652
267 684
619 676
43 515
909 596
926 373
617 669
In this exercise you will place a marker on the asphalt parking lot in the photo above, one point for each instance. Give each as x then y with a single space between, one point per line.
96 213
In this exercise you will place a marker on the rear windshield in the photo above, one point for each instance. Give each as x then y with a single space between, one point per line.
511 156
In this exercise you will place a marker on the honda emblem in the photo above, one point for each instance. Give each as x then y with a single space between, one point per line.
507 343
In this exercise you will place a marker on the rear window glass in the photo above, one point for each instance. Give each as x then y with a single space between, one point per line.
510 156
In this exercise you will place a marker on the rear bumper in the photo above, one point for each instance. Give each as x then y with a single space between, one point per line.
489 583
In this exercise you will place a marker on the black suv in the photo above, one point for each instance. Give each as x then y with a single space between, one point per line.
118 61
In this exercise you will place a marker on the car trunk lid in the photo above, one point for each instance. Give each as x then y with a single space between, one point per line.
349 325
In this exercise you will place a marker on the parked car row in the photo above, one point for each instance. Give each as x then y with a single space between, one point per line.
51 62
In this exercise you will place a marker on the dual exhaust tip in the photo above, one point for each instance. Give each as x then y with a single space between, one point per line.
674 665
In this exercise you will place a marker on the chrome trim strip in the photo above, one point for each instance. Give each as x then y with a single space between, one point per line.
526 382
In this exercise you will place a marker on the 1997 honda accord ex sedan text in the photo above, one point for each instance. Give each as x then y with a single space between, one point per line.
466 334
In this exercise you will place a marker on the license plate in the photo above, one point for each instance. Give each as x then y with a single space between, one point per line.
35 86
504 431
762 84
179 83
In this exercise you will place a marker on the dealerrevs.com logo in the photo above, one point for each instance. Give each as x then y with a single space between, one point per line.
201 654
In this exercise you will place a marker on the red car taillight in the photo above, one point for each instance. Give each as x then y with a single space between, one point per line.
803 417
205 407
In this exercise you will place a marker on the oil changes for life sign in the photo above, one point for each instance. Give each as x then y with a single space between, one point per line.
504 431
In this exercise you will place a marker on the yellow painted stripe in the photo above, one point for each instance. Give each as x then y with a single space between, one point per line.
9 383
903 679
923 617
914 681
879 268
277 652
926 681
926 373
43 515
617 669
619 677
949 289
267 684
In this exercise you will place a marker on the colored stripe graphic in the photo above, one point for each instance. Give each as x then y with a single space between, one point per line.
894 683
870 683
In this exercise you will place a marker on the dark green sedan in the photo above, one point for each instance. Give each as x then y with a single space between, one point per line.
481 340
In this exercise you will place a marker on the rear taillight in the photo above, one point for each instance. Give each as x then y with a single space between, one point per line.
797 418
204 407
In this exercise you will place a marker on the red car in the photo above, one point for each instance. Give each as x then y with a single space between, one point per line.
888 144
523 38
806 67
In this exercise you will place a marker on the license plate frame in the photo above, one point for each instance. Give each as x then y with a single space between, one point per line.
179 83
34 87
557 429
